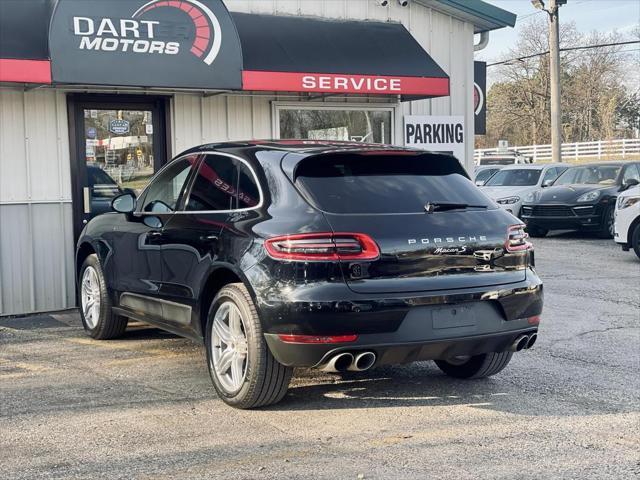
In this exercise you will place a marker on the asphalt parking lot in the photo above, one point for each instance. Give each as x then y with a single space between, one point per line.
143 406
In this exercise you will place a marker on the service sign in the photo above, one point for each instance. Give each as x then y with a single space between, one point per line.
436 133
152 43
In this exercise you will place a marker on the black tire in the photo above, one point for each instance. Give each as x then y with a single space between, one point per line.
108 325
536 232
266 381
478 366
635 240
606 231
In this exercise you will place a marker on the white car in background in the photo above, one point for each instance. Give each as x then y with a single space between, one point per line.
510 186
627 220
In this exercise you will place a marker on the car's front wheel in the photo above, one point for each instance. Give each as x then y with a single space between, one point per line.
608 222
244 372
98 319
477 366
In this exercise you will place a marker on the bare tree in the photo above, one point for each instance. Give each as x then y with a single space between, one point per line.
593 89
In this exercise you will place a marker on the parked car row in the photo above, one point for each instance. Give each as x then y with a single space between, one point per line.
599 197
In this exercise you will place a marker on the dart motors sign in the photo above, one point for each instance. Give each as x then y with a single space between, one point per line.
146 43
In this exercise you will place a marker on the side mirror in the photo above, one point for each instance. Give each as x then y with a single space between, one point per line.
125 203
152 221
547 183
479 183
631 182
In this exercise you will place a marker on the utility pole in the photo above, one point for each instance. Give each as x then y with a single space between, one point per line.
554 74
554 54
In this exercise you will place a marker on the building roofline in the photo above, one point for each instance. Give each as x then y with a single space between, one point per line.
484 16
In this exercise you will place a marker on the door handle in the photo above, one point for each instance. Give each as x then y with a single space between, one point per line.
155 234
210 238
86 198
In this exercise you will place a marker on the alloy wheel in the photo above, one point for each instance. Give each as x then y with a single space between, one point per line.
611 222
90 297
229 348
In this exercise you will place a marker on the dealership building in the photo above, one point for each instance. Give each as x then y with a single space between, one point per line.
96 95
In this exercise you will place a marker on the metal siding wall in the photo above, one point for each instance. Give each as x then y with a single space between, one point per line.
13 167
15 260
199 119
215 121
36 233
187 122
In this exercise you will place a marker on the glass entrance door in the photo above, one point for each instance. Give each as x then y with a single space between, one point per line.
119 146
118 155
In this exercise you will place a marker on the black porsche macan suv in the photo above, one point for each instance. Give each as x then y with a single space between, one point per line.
338 256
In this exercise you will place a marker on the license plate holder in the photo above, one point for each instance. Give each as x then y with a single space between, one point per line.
453 316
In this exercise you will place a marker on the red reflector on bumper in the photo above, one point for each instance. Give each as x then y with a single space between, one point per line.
317 338
535 320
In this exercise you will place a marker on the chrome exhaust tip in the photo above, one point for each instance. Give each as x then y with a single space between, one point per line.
363 361
338 363
532 340
519 343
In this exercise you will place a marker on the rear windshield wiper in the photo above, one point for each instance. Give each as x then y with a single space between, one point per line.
441 206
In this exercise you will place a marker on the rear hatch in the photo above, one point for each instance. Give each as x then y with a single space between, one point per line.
459 244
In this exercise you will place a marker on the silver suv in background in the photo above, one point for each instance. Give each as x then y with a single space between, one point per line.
509 186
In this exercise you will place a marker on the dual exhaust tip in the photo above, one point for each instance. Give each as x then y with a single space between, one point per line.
346 361
362 361
523 342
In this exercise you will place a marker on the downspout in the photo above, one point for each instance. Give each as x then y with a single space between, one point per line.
482 43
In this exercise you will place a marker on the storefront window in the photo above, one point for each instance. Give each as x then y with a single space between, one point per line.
120 143
366 125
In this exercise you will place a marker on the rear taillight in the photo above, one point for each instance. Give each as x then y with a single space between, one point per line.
322 247
517 239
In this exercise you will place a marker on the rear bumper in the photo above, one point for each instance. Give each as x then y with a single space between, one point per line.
393 350
430 326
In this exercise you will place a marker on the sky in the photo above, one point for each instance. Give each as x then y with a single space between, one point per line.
588 15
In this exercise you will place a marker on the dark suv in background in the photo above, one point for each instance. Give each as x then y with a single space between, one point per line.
338 256
582 198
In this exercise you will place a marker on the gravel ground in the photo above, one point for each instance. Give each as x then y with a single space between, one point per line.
143 406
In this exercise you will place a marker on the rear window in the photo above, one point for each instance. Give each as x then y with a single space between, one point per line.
383 184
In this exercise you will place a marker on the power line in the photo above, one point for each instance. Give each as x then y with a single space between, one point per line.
566 49
527 15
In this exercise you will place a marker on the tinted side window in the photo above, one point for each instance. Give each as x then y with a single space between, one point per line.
165 190
215 185
248 192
